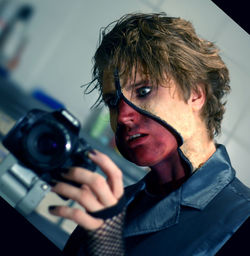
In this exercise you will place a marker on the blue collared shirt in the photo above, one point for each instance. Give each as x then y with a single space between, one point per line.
196 219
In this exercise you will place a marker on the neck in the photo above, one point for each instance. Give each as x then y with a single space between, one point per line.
172 171
167 175
169 169
198 149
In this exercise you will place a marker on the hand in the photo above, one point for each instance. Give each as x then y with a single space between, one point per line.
95 194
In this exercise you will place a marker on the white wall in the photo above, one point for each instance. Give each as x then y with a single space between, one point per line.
64 35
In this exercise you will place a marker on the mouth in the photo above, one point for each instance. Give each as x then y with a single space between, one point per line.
136 139
135 136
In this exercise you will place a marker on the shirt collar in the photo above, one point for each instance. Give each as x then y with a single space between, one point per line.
196 192
208 180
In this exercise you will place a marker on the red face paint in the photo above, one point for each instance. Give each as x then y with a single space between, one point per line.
141 139
146 142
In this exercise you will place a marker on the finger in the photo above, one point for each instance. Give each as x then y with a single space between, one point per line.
83 195
77 215
114 174
95 182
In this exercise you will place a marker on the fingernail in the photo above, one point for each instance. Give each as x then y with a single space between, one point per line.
52 207
92 152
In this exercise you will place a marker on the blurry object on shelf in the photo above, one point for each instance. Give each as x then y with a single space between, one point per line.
98 127
14 18
46 99
6 123
7 10
3 152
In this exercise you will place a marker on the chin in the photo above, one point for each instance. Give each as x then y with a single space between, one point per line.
141 155
141 161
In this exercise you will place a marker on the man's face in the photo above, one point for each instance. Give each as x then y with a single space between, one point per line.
141 139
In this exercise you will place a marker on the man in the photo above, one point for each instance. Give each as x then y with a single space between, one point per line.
164 87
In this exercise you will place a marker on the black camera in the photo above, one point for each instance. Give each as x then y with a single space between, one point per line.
48 143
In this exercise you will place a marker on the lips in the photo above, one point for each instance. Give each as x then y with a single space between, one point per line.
135 136
135 139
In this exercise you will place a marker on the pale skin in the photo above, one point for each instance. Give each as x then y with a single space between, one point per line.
98 193
95 194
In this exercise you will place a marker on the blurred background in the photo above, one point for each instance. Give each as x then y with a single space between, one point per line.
46 50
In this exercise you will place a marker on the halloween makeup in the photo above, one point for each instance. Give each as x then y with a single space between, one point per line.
142 136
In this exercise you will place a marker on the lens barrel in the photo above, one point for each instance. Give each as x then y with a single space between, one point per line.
47 143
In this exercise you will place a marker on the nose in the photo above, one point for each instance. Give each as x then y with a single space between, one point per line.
126 114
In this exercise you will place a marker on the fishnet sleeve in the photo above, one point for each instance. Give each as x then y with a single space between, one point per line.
104 241
108 239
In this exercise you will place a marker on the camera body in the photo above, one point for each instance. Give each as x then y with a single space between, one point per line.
48 143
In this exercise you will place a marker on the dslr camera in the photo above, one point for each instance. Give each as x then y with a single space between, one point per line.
42 145
48 143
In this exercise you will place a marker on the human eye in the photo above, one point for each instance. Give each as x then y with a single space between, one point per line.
143 91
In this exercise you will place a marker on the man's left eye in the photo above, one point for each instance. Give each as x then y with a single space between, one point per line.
143 91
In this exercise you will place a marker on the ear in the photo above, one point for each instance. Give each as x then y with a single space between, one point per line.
197 98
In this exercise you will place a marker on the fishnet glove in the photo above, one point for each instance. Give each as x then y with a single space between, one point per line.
108 239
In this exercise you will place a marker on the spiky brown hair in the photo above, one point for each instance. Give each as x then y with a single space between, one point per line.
160 45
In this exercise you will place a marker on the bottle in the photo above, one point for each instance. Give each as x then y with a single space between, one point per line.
13 36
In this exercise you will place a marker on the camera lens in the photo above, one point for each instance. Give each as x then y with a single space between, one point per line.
47 145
